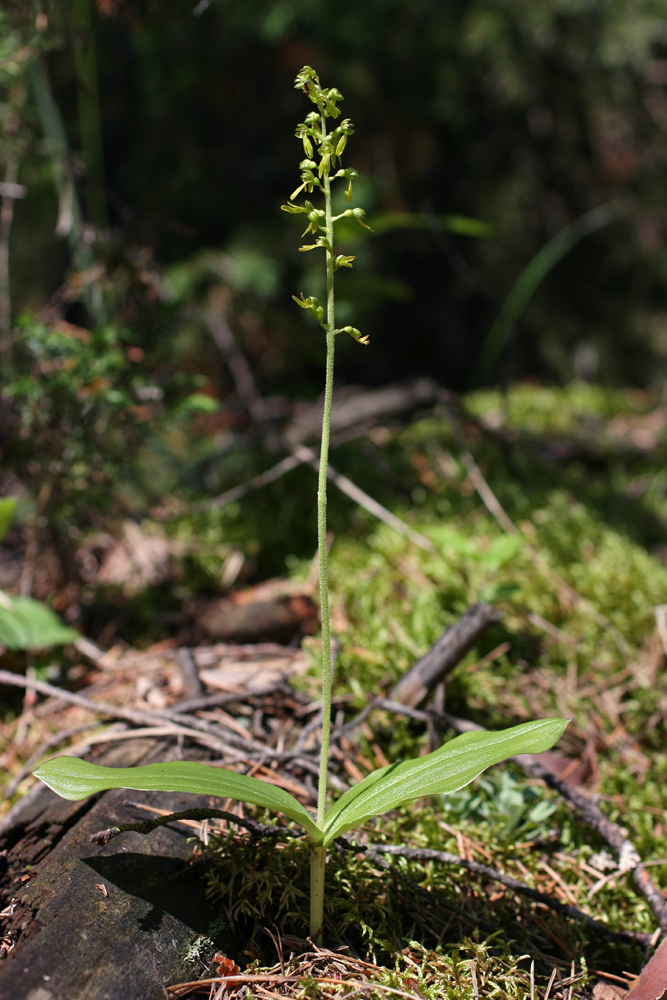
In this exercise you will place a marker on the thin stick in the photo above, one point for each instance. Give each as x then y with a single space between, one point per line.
242 978
465 916
53 741
177 724
615 836
303 455
238 492
386 705
6 217
346 486
229 697
423 854
661 624
103 837
9 191
186 724
551 982
137 718
240 370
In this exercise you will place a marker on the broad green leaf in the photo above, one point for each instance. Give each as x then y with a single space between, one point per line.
29 624
75 779
445 770
7 505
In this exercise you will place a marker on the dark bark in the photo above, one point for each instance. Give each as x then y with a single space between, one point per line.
86 921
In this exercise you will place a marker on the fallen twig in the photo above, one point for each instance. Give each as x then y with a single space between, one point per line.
234 749
244 978
616 836
346 486
449 650
229 697
386 705
102 837
424 854
238 492
190 725
303 455
192 684
467 917
53 741
144 717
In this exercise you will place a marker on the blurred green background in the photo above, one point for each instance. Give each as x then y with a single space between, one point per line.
172 127
512 165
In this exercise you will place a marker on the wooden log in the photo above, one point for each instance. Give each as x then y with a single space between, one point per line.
443 656
91 923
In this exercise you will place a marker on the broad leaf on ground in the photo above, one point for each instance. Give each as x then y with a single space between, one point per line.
75 779
29 624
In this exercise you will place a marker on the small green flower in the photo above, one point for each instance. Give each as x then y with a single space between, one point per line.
356 334
293 209
342 261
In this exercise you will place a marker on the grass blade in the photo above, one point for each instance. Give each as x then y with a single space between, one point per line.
530 279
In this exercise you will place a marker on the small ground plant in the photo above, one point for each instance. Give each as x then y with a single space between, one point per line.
447 769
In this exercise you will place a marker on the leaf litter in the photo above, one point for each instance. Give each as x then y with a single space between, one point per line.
554 657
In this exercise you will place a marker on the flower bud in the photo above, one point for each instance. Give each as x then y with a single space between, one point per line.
360 215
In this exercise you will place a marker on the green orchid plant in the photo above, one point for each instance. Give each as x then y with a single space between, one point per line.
447 769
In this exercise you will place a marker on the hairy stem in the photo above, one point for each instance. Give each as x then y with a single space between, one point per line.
318 859
322 508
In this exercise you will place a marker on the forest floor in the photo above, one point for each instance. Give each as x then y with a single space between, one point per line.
550 505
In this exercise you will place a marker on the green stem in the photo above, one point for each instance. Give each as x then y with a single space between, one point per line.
318 860
322 509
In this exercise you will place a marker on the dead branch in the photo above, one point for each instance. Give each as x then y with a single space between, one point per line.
102 837
346 486
53 741
218 326
616 836
189 725
443 656
281 468
419 854
354 407
192 684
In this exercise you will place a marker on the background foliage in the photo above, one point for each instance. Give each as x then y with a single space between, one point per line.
178 125
153 144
